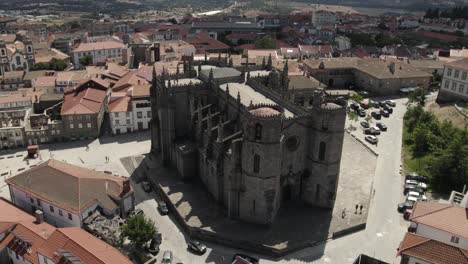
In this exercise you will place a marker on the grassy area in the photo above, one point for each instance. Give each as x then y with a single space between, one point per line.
411 163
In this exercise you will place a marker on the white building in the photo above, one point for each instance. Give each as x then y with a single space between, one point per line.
343 43
454 84
323 18
100 52
440 234
67 194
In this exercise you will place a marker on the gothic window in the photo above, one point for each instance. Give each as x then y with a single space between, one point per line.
322 149
3 52
18 60
29 49
256 167
258 132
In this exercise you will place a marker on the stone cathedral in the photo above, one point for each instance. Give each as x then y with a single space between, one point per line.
256 143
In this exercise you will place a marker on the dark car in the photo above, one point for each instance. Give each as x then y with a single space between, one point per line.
376 115
381 126
241 259
136 212
354 106
162 207
197 247
417 177
364 94
364 124
388 109
146 186
153 248
361 113
382 104
384 113
410 187
406 205
374 104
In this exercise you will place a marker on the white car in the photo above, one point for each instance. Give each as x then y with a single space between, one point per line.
413 182
418 196
372 139
376 128
422 185
390 103
411 199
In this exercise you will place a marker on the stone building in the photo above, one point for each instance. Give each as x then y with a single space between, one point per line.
454 86
380 77
254 149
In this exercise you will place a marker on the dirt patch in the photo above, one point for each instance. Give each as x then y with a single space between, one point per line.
448 112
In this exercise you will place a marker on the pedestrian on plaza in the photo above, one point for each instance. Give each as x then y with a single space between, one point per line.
355 211
361 208
343 214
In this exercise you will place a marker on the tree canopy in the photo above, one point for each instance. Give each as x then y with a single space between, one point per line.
139 230
86 60
265 42
53 65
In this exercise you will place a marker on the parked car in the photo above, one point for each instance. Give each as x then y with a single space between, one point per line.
384 113
374 130
413 188
361 112
388 109
364 94
162 207
417 177
382 103
407 214
364 124
354 106
372 139
242 258
390 103
146 186
374 104
422 185
413 182
406 205
167 257
197 247
136 212
381 126
376 115
153 248
411 199
364 104
417 195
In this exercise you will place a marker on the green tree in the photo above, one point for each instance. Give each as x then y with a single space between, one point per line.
265 42
449 166
422 139
418 96
353 117
357 98
139 230
86 60
57 65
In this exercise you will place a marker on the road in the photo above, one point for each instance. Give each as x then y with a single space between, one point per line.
385 227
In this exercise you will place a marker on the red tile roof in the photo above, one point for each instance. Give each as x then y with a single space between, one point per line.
203 42
432 251
49 241
81 100
103 45
449 218
121 104
75 188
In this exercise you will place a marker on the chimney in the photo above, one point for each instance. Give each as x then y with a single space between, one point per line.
39 216
126 187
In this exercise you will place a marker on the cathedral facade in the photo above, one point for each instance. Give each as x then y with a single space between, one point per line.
254 148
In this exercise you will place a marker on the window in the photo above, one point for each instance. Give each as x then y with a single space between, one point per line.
60 212
70 216
117 122
454 86
253 206
148 114
88 118
128 114
3 52
52 132
128 121
256 166
461 88
322 149
70 118
449 72
89 125
72 126
58 132
18 60
80 125
464 75
51 208
447 84
258 132
456 74
39 202
455 239
116 114
31 200
139 114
